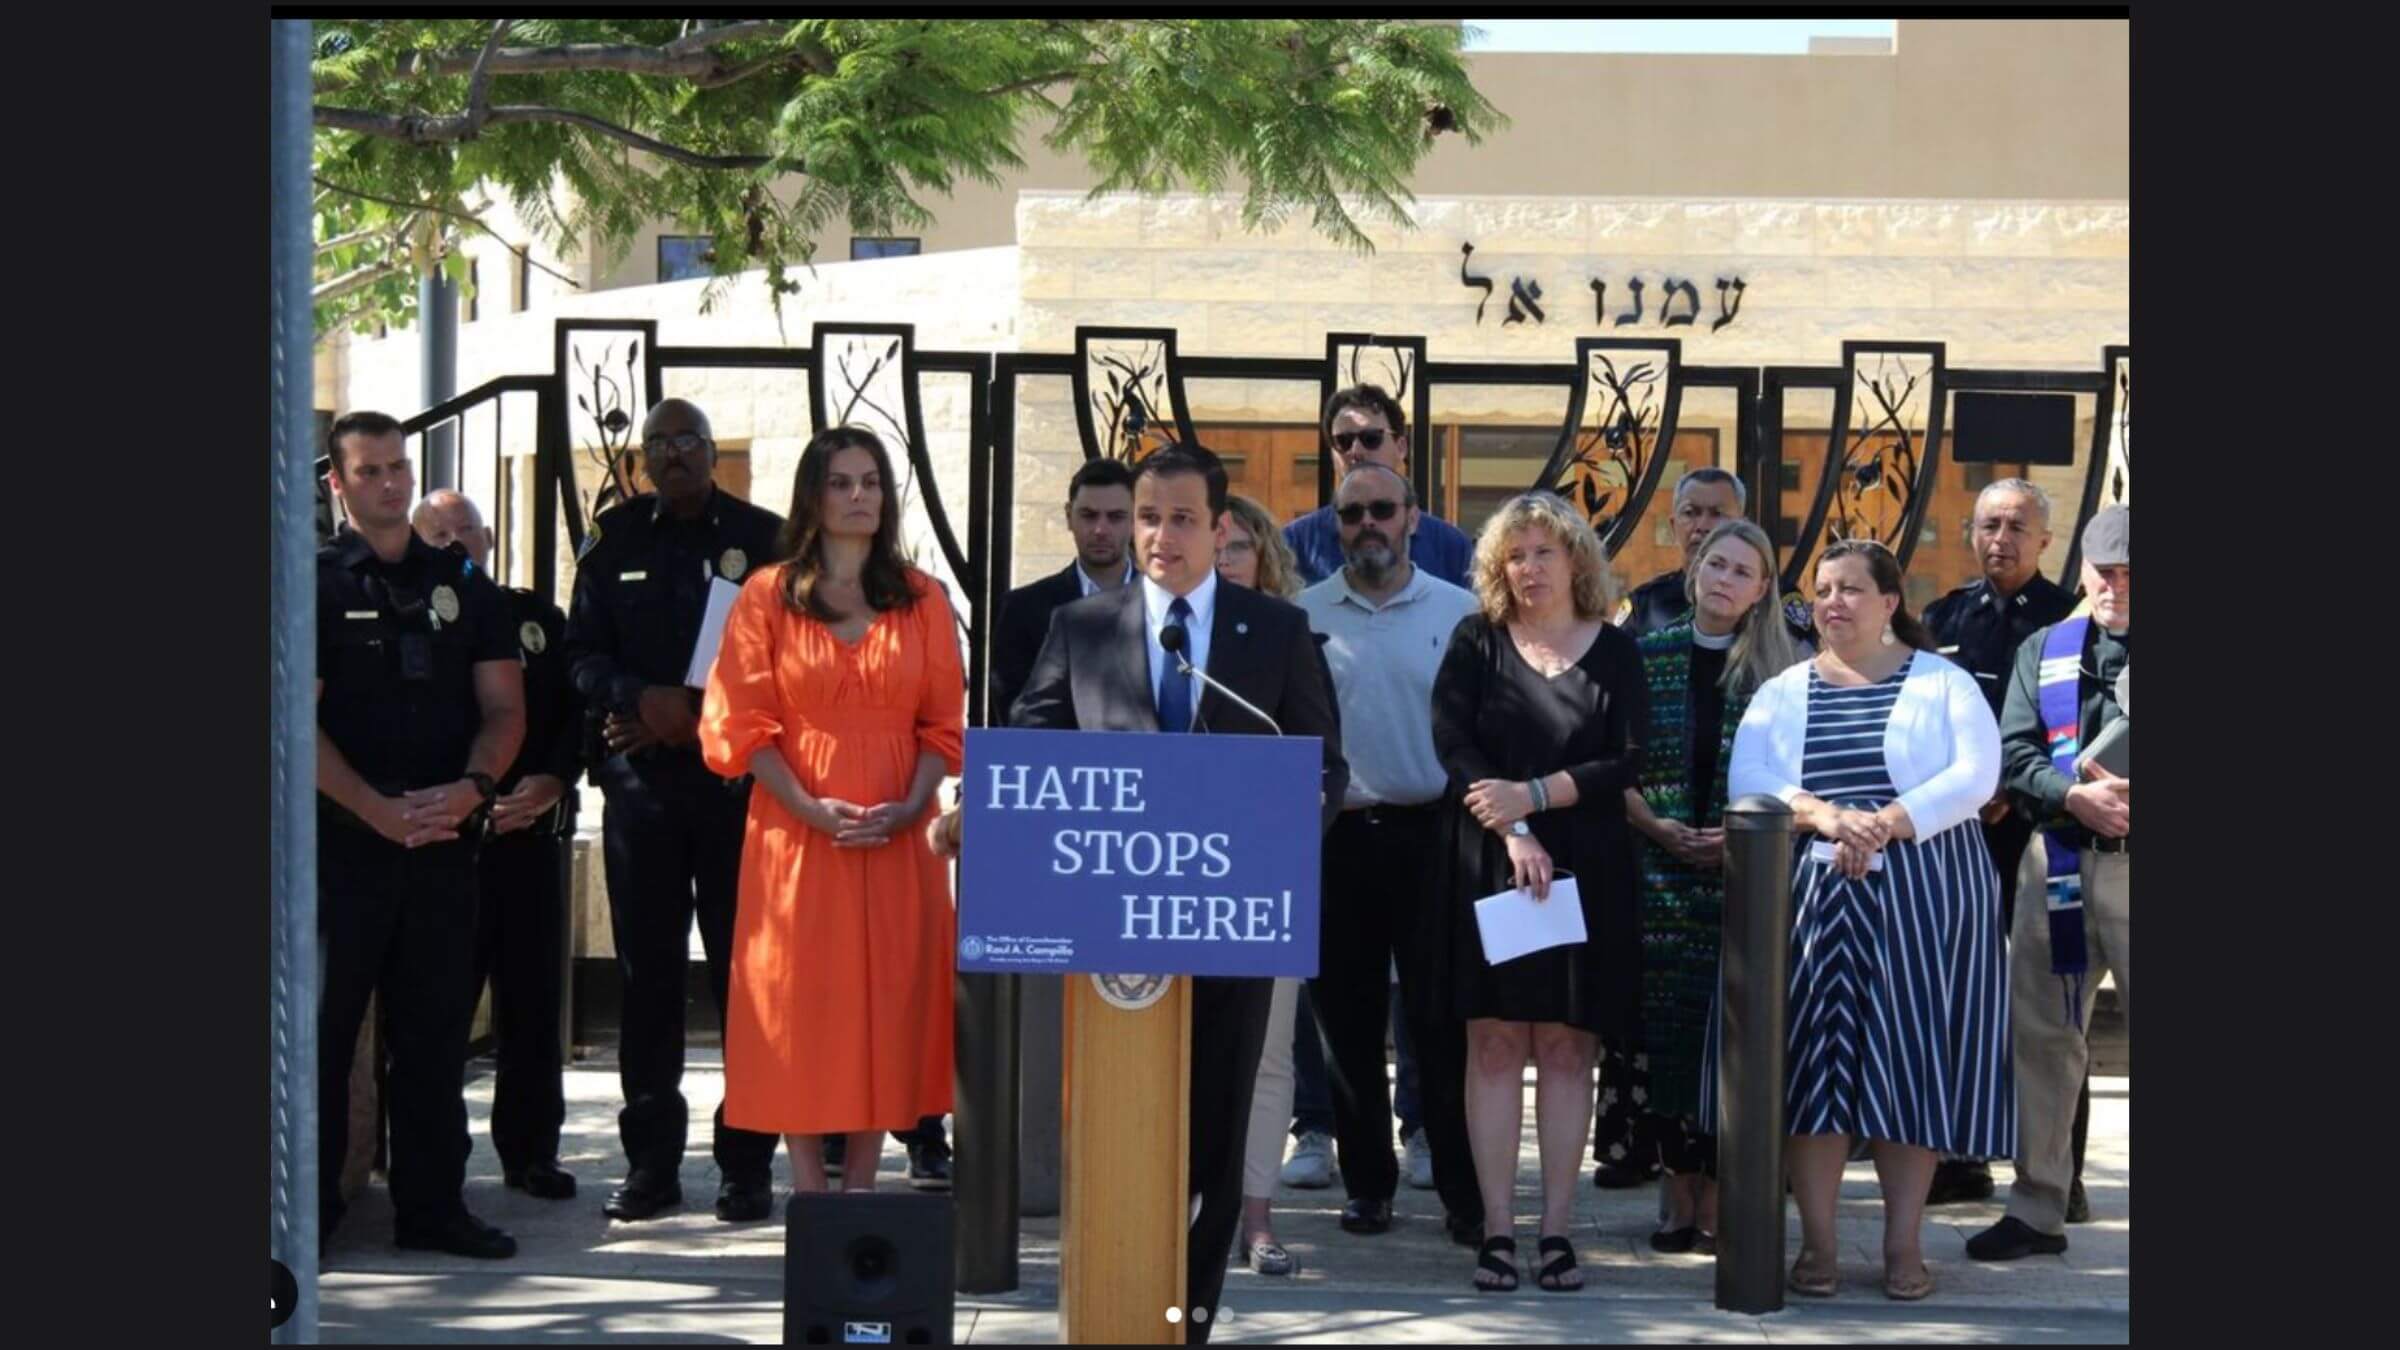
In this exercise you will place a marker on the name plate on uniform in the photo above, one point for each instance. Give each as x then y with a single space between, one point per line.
1138 853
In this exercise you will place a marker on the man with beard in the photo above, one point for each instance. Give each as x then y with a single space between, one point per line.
1386 623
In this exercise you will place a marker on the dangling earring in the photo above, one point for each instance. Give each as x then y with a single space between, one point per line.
1887 635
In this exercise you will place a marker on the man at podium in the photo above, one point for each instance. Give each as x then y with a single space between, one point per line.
1129 660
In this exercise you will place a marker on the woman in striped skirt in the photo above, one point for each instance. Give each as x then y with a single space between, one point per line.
1898 1007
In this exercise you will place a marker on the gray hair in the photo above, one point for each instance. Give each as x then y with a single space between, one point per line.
1712 474
2023 488
1408 490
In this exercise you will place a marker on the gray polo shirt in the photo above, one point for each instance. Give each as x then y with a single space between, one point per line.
1384 659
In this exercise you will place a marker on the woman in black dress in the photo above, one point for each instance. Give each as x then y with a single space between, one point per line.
1533 711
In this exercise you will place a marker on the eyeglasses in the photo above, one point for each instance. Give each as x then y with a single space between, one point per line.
1357 511
681 443
1370 439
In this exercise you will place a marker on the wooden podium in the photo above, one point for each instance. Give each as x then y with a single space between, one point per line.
1125 1160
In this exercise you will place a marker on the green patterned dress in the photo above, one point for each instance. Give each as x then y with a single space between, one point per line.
1682 905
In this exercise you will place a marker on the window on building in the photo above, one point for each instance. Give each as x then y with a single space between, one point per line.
682 257
866 247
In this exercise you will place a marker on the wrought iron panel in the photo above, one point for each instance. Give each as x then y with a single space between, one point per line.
1881 450
1620 418
867 375
1125 378
610 374
1395 365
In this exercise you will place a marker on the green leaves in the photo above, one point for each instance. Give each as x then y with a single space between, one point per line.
863 116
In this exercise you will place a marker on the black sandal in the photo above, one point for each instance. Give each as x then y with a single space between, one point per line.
1552 1276
1488 1258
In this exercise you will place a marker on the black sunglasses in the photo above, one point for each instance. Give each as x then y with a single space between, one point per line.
1371 439
1357 511
680 443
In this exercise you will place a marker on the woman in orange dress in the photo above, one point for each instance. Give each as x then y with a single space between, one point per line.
839 687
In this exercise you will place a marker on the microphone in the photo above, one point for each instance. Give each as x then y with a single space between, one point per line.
1175 640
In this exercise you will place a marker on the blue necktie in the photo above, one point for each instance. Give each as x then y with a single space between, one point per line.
1174 687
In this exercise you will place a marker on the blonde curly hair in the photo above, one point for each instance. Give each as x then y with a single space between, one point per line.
1595 586
1278 566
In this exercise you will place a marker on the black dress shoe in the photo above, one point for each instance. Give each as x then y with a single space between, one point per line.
646 1193
1676 1239
1610 1176
542 1181
1464 1231
837 1152
462 1234
1367 1216
2012 1238
2079 1206
1959 1181
929 1166
745 1201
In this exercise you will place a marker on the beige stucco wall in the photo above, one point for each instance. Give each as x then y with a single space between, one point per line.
1965 108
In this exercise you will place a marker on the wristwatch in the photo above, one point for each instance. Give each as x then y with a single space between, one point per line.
483 784
1520 829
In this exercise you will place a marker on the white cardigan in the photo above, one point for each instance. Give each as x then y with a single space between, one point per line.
1942 745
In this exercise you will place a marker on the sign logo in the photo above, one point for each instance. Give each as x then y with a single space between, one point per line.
970 948
1132 992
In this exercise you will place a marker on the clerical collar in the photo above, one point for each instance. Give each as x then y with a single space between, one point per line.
1714 644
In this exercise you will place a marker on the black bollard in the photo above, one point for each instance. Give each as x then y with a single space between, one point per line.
1754 977
983 1176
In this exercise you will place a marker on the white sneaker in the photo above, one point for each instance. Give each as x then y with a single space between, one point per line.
1310 1168
1418 1160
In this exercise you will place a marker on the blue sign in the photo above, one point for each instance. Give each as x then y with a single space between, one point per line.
1139 853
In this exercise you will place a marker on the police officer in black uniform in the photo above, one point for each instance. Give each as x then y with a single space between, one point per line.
521 920
672 829
1980 626
420 707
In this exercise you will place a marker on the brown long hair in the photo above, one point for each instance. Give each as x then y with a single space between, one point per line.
1885 569
801 544
1278 567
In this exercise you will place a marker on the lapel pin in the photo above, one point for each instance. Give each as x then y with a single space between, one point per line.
1241 628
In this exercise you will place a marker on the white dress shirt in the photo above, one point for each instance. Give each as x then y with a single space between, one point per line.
1203 603
1091 587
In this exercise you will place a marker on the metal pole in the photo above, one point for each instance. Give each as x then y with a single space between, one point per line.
1041 1058
437 329
292 971
984 1176
1753 980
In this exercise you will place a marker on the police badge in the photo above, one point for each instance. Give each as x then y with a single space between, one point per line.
531 638
1131 992
733 564
445 604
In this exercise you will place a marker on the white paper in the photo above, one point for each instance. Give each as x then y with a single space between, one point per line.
1513 923
721 595
1823 852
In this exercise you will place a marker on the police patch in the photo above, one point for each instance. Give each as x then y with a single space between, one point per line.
445 603
733 564
531 637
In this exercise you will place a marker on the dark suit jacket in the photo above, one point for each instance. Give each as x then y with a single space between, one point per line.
1093 674
1024 621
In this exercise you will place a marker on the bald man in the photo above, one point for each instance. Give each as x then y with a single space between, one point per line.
672 830
521 910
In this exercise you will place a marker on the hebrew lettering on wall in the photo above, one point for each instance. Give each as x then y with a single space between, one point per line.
1521 302
1465 252
1678 302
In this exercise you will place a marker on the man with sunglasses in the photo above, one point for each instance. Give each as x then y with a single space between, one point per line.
672 830
1364 425
1386 622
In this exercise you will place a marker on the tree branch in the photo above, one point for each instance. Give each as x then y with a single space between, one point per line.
455 215
355 280
479 86
415 129
1030 82
691 56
